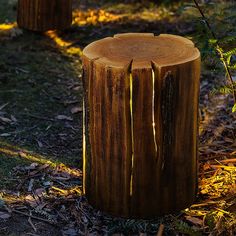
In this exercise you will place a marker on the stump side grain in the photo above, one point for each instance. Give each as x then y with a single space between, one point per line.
43 15
141 103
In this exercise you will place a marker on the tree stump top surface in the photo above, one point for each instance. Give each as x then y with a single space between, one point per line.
141 50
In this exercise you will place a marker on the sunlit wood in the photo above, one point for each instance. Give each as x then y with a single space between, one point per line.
65 46
141 97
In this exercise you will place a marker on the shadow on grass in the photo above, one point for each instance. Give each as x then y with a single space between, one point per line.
38 87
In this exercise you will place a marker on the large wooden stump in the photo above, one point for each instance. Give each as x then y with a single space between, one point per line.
43 15
140 124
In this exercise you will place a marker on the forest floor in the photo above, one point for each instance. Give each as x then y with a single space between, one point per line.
41 130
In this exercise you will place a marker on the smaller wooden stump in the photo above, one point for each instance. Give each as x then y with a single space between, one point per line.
43 15
140 124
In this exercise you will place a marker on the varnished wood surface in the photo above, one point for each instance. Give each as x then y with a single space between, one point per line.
43 15
141 99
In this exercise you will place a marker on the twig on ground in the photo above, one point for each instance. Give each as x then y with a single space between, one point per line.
33 217
4 105
38 117
212 156
33 234
32 225
160 230
228 161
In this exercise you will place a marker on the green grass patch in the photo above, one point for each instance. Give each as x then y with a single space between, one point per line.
7 163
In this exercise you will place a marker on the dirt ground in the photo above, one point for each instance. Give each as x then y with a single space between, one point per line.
41 129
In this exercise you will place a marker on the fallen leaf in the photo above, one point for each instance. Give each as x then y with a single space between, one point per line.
31 201
70 232
77 88
206 166
39 192
70 102
5 135
47 183
43 167
39 144
31 167
63 117
6 120
4 105
228 140
194 220
31 184
75 110
4 215
13 118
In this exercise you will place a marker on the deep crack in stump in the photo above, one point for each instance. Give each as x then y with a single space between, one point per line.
140 124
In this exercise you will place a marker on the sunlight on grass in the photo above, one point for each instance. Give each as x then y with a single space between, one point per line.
26 198
54 36
96 16
12 198
18 152
64 45
93 17
7 26
217 186
10 31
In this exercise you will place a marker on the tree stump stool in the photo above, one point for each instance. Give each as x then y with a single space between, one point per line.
140 124
43 15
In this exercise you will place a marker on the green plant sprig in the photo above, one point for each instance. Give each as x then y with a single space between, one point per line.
220 52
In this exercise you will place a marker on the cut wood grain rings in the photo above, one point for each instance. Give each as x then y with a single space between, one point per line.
140 124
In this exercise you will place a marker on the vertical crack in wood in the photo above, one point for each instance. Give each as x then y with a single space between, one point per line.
132 132
84 148
86 143
85 107
153 110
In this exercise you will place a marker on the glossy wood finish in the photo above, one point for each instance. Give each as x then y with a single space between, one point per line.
43 15
141 103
